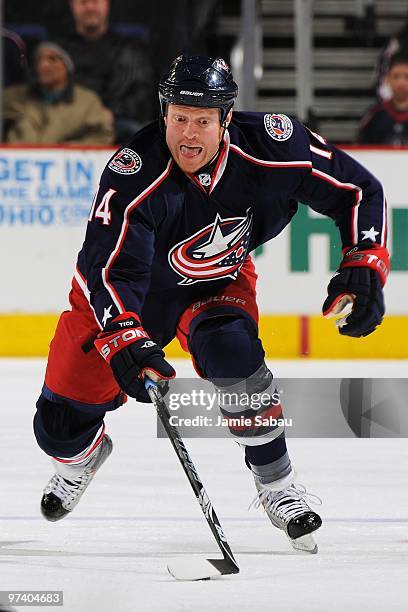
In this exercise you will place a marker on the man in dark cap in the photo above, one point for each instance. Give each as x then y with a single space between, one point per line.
53 109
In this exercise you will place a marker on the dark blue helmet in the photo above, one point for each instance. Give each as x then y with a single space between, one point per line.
199 81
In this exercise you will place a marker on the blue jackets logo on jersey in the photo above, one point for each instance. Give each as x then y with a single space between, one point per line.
216 251
279 127
126 161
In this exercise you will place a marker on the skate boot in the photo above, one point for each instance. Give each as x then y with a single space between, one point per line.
288 510
69 483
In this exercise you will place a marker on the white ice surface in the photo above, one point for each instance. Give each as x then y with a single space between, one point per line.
110 555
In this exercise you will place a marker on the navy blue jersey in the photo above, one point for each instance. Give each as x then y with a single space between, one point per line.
157 238
384 124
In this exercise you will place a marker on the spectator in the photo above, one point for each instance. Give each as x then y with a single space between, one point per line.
53 109
119 70
396 44
387 121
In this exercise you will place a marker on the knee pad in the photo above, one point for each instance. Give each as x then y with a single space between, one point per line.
64 430
227 347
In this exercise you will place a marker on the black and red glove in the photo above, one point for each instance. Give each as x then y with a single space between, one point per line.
358 282
130 352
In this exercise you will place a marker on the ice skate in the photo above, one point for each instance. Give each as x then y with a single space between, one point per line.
69 482
288 510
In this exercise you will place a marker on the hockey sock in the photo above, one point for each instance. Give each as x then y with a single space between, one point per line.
85 454
65 429
270 461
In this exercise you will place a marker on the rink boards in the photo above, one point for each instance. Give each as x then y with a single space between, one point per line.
284 336
45 196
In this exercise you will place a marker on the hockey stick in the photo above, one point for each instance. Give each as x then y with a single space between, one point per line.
193 569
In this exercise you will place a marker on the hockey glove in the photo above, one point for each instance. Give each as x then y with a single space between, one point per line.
127 348
358 286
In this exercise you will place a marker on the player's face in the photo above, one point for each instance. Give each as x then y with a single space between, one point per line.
193 135
398 81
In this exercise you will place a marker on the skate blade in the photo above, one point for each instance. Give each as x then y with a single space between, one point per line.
305 544
200 569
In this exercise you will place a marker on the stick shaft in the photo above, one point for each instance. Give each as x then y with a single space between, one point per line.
191 473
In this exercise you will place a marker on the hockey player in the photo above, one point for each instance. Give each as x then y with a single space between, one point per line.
166 254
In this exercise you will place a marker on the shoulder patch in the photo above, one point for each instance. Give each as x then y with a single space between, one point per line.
126 161
279 127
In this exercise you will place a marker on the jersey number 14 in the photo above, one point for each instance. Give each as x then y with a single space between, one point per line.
102 211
